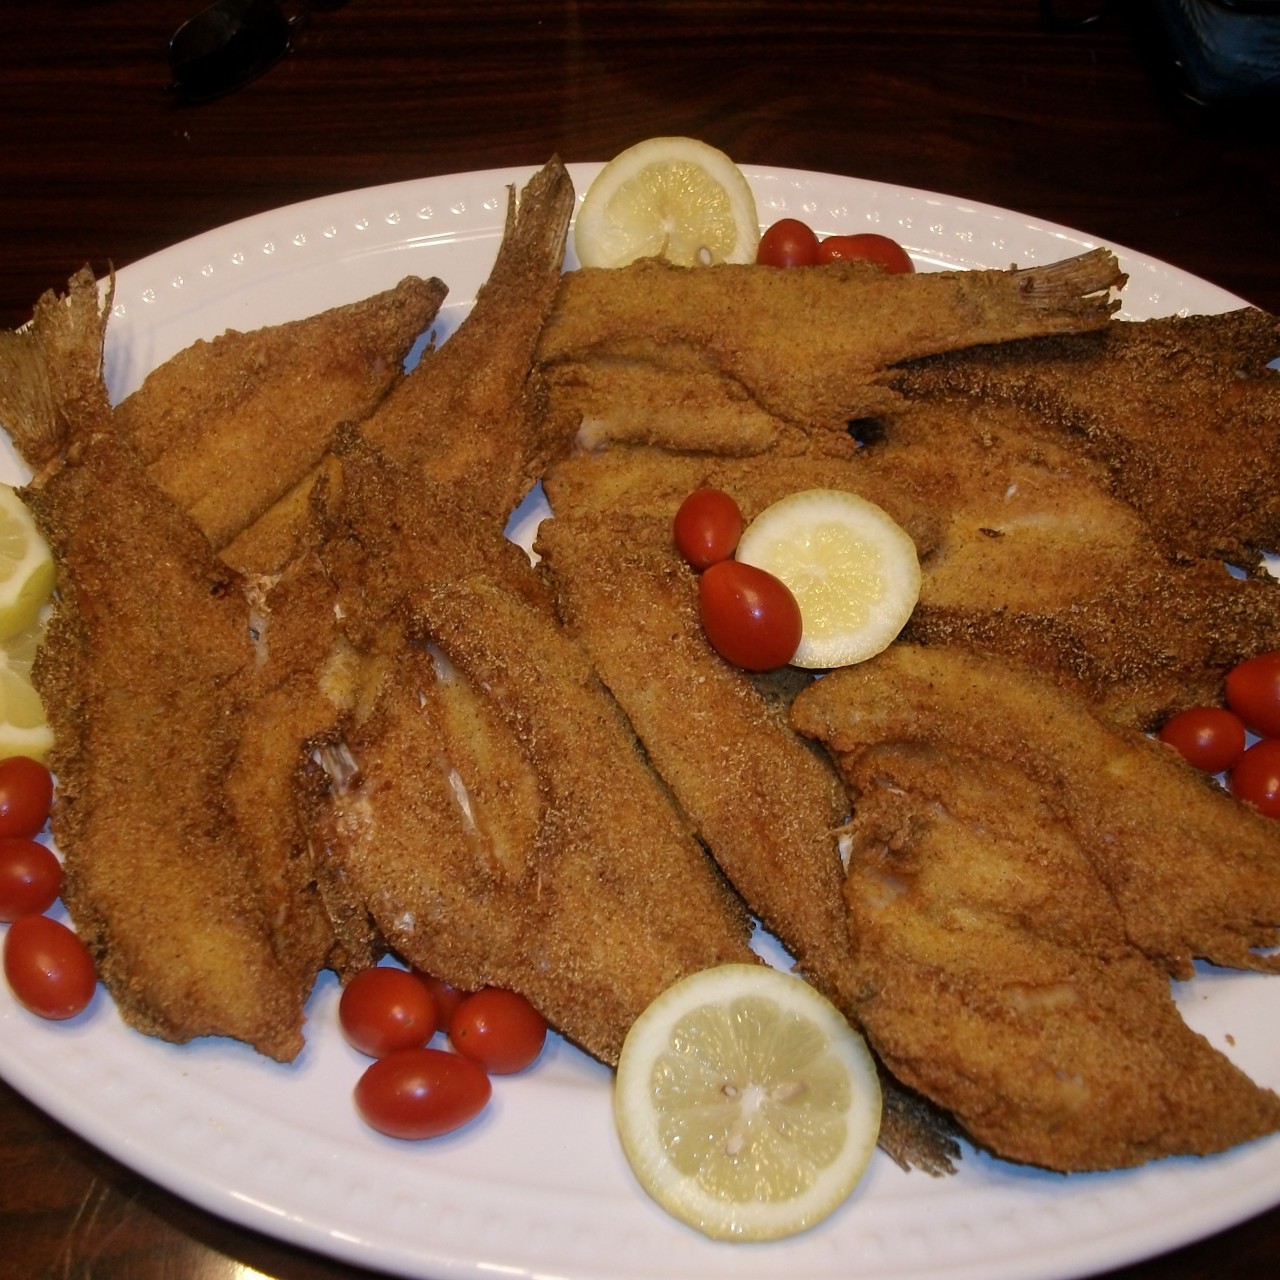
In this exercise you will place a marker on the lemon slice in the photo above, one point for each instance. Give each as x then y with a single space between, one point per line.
26 565
673 198
851 567
24 731
746 1104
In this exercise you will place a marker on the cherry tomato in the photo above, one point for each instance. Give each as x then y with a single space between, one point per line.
788 243
447 997
1256 778
750 617
26 796
48 968
385 1009
1211 738
1253 693
498 1029
421 1093
707 527
30 878
867 246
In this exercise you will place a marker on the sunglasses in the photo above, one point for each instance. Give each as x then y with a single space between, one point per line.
230 43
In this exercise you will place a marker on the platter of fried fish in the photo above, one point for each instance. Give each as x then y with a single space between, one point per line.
371 642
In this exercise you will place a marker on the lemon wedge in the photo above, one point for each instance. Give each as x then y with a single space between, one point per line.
24 731
851 567
747 1106
26 565
673 198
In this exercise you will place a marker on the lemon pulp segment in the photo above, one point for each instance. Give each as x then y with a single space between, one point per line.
24 730
674 211
26 565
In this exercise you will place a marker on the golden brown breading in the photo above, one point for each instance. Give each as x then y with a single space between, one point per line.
810 345
767 807
1194 872
1181 413
227 427
555 863
468 417
489 811
1038 559
298 685
503 828
996 975
139 671
682 404
287 529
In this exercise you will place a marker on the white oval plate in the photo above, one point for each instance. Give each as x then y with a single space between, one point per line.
538 1186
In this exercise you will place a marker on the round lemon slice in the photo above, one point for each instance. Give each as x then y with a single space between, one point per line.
24 731
26 565
746 1104
674 198
851 567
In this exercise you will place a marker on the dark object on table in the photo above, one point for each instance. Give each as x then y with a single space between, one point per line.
230 43
1226 50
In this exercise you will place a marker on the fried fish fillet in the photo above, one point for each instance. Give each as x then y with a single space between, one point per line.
139 671
459 384
308 674
768 808
808 347
1183 413
467 414
493 812
488 810
1194 873
1037 558
674 403
229 426
997 977
299 683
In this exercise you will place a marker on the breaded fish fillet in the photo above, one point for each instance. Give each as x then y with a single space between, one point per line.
139 671
493 812
227 427
766 806
808 346
441 417
673 404
298 685
465 414
1194 873
1037 558
1182 413
488 809
996 975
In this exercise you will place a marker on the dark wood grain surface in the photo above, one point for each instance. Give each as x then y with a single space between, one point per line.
978 100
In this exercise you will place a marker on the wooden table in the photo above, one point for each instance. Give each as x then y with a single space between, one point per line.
97 164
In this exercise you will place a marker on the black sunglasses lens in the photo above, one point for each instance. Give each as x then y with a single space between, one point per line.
226 45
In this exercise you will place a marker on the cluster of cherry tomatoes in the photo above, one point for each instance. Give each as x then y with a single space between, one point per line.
792 243
48 968
1215 739
412 1090
750 617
